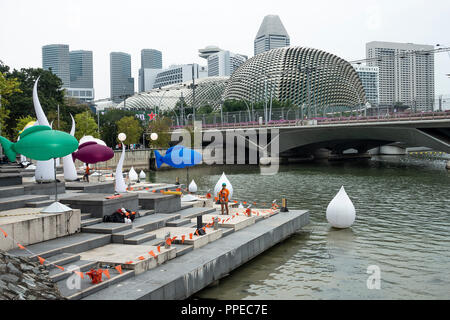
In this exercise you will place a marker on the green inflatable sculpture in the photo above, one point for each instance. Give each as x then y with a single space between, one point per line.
40 143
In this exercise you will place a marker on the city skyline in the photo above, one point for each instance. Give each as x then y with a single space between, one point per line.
371 21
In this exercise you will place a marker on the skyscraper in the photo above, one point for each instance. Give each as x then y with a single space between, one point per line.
81 69
406 73
224 63
56 58
151 59
271 35
370 80
120 72
151 64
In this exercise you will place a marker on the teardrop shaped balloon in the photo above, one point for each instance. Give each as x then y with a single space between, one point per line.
120 185
70 172
193 187
341 213
218 187
133 174
142 175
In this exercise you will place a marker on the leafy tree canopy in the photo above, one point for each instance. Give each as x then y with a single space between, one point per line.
85 125
131 127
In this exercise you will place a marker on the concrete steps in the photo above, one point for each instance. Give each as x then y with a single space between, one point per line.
85 216
178 223
39 204
61 259
10 203
143 213
76 243
183 249
12 191
106 227
139 239
155 242
87 288
89 222
80 265
154 221
121 236
191 213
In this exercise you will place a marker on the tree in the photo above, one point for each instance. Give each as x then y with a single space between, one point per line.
21 123
108 126
131 127
85 125
7 88
161 126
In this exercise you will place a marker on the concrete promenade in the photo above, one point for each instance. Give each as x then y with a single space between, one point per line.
184 276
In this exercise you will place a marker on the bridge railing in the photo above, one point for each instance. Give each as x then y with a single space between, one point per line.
244 119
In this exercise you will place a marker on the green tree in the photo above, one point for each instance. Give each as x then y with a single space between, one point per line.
161 126
7 88
108 126
85 125
21 123
131 127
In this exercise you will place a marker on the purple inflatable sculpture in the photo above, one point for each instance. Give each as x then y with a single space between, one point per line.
92 152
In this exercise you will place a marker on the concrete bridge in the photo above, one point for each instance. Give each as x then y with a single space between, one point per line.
300 139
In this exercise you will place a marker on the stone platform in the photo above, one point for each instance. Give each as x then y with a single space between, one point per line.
10 179
29 226
166 203
119 254
237 223
91 187
196 241
97 204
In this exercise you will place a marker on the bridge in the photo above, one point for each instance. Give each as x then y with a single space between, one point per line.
307 138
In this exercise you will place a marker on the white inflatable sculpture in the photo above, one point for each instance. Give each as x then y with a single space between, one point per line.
341 213
133 174
121 187
91 138
142 175
193 187
70 172
44 169
218 187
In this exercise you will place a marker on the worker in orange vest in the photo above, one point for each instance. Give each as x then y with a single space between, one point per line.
223 197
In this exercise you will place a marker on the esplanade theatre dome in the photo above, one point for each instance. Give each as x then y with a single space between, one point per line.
291 73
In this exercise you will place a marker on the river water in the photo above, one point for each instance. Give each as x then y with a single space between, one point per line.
402 227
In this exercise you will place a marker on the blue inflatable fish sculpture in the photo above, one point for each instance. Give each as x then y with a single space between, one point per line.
178 157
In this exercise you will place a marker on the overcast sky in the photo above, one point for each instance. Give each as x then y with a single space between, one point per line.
179 28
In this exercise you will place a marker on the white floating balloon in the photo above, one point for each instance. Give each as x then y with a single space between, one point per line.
142 175
340 211
218 187
154 136
193 187
133 175
122 137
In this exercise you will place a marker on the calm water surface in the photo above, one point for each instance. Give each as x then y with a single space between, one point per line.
402 226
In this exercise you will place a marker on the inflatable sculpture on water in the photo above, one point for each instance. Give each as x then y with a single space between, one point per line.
341 213
218 187
178 157
132 175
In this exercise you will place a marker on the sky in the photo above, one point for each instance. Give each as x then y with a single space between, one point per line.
179 28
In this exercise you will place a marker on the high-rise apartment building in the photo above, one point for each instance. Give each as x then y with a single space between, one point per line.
406 73
81 76
178 74
55 57
271 35
122 84
370 80
224 63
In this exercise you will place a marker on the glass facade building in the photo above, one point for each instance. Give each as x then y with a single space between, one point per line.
271 35
121 82
55 57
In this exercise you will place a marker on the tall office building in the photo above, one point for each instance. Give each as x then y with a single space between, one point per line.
122 83
271 35
224 63
56 58
151 59
81 76
406 73
370 80
178 74
151 64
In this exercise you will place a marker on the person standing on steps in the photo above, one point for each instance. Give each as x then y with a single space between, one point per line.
223 197
86 173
